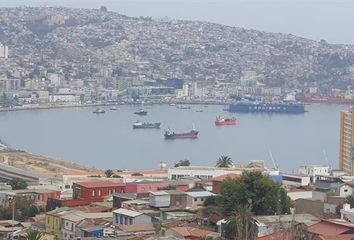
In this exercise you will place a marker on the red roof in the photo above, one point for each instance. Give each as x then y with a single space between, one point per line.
226 176
328 228
277 236
191 231
96 184
339 237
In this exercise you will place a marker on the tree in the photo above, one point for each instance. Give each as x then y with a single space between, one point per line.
241 225
267 197
224 161
18 183
108 173
34 235
184 162
32 211
350 201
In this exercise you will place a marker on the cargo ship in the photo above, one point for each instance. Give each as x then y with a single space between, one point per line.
99 110
140 125
141 111
325 99
267 107
225 121
171 134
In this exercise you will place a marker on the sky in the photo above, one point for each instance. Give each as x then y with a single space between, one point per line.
314 19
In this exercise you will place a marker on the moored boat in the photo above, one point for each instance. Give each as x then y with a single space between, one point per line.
171 134
267 107
113 108
225 121
140 111
142 125
99 110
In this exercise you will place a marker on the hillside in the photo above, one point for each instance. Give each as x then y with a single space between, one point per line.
82 43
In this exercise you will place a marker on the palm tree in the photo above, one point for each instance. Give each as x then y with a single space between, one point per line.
34 235
224 161
241 225
109 173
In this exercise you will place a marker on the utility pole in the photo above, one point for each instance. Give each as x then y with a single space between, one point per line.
12 201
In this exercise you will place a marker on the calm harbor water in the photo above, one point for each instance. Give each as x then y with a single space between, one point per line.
108 140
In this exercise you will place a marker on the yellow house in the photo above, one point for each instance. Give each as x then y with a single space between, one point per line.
53 221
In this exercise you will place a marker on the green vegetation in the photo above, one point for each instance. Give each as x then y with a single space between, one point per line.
241 225
254 193
34 235
108 173
224 161
23 208
18 183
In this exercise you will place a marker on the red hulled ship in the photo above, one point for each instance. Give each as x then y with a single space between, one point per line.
225 121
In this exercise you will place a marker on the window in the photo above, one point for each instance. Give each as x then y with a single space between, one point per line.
345 190
93 193
202 199
130 221
121 220
99 192
195 199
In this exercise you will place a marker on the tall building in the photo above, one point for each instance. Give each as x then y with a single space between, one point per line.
4 51
346 147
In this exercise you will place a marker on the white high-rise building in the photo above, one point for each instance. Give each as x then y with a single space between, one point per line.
4 51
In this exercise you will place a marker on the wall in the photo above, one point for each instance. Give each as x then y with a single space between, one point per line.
315 208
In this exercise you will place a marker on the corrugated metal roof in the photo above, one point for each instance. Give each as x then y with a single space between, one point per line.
127 212
200 194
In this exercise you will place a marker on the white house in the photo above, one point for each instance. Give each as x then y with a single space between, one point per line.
313 170
123 216
197 199
298 180
159 199
212 172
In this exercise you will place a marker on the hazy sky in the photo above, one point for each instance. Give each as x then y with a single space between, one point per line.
315 19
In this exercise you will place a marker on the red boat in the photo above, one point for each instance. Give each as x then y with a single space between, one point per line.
325 99
225 121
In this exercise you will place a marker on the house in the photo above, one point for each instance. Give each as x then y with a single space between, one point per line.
299 180
332 227
53 221
197 199
96 189
314 170
331 186
172 199
217 181
38 196
178 199
144 187
193 233
123 216
92 228
119 198
269 224
295 193
159 199
71 221
212 172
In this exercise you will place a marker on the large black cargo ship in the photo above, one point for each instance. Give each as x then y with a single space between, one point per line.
267 107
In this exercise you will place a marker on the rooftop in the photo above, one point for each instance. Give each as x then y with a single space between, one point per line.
96 184
200 194
127 212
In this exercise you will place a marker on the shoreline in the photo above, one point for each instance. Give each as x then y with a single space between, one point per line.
78 105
